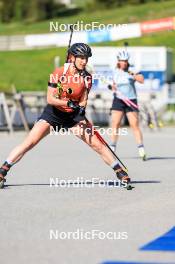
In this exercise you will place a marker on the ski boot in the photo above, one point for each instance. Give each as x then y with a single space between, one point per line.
3 172
2 180
123 177
142 153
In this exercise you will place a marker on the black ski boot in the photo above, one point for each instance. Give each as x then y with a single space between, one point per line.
122 175
3 172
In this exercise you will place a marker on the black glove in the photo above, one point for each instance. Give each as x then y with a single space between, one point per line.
73 105
109 86
80 115
78 110
82 111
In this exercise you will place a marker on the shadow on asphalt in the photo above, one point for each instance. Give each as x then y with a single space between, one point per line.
152 158
160 158
100 183
135 182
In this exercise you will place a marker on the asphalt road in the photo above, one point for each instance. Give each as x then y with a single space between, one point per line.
40 222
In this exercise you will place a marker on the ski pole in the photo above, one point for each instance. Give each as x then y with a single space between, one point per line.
106 144
70 39
95 131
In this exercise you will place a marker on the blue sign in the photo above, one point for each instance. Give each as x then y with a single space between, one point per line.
151 75
98 36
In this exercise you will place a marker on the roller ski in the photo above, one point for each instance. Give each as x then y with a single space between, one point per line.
3 172
123 177
2 181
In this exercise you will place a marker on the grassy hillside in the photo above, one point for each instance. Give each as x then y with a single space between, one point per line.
125 14
29 70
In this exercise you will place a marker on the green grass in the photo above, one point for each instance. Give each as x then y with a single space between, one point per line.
125 14
29 70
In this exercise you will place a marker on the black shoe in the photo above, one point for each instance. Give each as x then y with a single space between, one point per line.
122 175
3 172
2 180
124 178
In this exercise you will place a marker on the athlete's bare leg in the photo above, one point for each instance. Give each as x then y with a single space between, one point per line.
133 119
39 131
85 131
115 124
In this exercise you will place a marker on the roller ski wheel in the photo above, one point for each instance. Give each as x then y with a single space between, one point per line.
2 181
129 187
124 178
3 172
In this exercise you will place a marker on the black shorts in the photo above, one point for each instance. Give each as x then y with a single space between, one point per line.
120 105
57 118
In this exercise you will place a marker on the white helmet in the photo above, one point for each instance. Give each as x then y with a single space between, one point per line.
123 55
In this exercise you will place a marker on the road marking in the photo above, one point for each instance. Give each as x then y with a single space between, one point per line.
165 242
